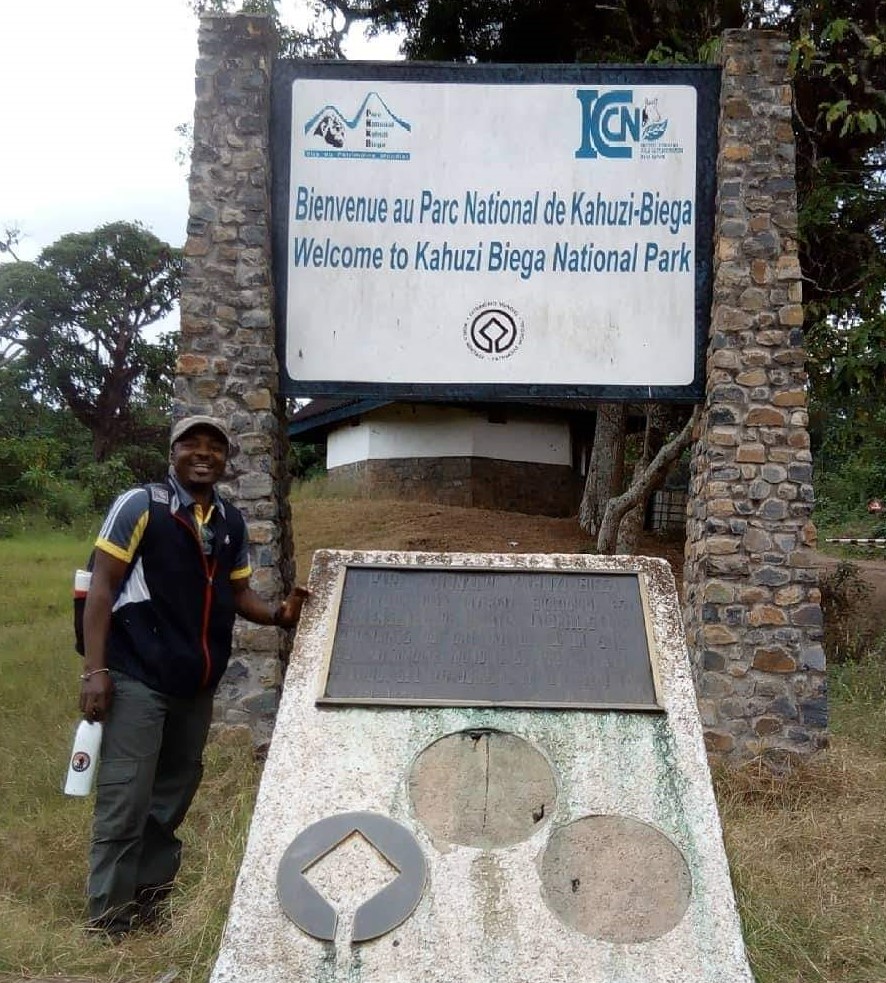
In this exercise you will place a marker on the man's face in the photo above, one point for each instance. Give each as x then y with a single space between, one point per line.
199 458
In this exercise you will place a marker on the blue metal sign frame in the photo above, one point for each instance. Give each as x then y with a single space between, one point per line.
706 81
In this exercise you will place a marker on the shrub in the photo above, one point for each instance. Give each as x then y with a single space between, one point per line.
105 481
149 462
28 466
843 591
307 461
850 465
66 502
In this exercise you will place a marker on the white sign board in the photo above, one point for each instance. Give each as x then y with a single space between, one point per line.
461 233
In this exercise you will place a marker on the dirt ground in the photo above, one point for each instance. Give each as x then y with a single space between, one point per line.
389 525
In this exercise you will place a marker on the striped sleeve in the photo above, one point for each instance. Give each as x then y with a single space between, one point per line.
241 568
124 525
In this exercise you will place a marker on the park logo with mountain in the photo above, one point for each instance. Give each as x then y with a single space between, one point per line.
374 131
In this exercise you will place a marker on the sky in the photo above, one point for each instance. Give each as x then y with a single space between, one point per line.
91 93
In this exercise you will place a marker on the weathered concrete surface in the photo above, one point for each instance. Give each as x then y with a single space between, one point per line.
481 788
615 879
484 916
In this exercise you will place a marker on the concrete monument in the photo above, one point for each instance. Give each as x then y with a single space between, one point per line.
486 769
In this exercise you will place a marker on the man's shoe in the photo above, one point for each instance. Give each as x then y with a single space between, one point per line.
110 929
152 905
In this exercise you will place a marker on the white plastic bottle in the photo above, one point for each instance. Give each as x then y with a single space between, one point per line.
84 758
82 580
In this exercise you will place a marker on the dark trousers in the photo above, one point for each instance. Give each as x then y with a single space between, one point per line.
151 765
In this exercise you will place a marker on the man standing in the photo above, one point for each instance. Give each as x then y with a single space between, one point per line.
171 571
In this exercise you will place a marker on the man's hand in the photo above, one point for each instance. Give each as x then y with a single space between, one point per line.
96 693
288 612
250 606
97 689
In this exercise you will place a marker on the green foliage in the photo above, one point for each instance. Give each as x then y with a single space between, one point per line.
41 454
839 65
320 37
105 480
29 470
17 457
661 54
150 461
76 319
307 461
37 474
843 63
544 30
851 460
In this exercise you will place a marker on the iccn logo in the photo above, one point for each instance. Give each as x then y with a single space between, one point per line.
610 123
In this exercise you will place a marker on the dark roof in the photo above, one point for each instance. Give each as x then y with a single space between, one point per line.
320 414
314 420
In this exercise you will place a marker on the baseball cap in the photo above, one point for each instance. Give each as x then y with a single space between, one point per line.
180 428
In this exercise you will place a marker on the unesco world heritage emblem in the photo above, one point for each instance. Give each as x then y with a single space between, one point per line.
313 914
494 331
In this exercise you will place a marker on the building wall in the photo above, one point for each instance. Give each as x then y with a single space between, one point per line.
406 431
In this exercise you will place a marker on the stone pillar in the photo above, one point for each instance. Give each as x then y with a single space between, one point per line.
227 364
752 604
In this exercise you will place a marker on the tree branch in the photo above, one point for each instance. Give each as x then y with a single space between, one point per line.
617 508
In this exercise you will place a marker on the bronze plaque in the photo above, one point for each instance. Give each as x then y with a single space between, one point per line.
478 637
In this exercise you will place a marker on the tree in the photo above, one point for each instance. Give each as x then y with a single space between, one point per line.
606 465
321 37
10 305
78 315
541 30
663 423
644 481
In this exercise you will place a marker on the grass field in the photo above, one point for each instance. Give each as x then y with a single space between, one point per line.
808 854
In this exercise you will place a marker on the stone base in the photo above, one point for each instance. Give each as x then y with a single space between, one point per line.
547 846
470 482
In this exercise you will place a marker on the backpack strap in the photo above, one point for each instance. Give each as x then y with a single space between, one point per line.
158 494
158 497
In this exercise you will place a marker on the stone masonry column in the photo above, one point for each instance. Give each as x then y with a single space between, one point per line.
752 604
227 365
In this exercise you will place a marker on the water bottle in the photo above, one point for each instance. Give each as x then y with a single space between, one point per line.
84 758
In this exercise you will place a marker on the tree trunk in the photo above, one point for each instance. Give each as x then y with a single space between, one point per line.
658 423
631 526
606 466
618 507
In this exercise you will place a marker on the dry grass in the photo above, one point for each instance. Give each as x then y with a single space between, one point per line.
41 899
808 859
